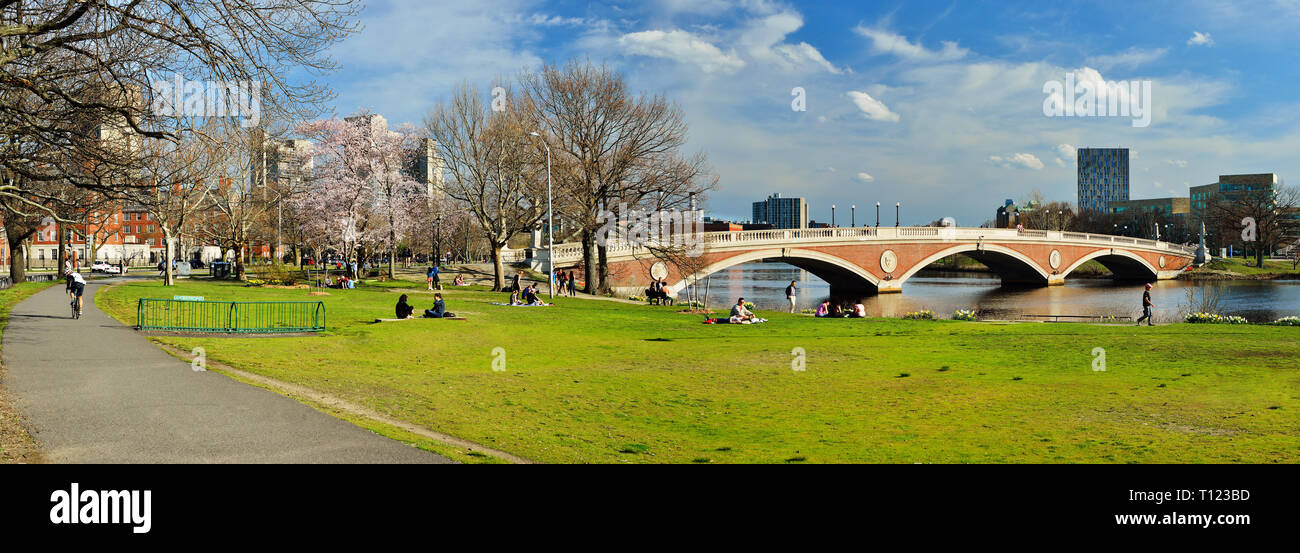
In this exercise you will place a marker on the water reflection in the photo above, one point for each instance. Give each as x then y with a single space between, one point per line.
764 284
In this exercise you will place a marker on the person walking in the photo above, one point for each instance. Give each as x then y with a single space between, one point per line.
573 285
1146 307
428 277
789 294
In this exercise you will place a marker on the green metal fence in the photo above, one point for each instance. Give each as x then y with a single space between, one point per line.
231 316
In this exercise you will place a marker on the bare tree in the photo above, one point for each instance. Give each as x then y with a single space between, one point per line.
1262 219
610 147
491 168
79 76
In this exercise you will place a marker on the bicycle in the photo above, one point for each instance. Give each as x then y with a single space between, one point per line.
76 313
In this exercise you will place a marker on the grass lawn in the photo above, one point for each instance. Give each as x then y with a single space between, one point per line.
1246 267
607 382
15 444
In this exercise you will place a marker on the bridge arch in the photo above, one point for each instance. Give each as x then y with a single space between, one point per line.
836 271
1123 264
1011 265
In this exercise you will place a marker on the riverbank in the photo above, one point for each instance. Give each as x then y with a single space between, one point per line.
1239 269
598 381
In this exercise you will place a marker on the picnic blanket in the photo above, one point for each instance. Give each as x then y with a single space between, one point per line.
727 321
525 304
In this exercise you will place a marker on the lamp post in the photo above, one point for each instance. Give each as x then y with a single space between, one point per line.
877 214
1060 219
832 215
853 215
437 241
898 206
550 223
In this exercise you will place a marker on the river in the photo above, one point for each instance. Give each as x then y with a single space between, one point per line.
764 284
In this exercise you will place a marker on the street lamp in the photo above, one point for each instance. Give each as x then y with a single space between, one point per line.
1060 219
437 241
550 223
877 214
897 206
832 215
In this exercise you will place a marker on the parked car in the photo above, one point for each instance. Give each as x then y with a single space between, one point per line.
99 267
113 270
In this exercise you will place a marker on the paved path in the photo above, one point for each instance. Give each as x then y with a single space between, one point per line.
95 391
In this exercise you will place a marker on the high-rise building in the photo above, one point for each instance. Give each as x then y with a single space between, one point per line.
1103 177
781 212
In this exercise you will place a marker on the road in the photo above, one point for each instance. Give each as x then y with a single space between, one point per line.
94 391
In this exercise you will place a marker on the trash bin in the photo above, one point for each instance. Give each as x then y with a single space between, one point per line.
220 269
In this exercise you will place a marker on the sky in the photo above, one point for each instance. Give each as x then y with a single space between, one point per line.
937 105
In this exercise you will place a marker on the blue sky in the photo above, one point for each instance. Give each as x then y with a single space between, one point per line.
938 105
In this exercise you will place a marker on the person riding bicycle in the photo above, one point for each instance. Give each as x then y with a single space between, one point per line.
77 285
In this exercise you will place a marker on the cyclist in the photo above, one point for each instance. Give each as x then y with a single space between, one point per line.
76 286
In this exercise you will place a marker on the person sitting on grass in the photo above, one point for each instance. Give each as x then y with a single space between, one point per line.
836 310
439 310
741 315
824 310
530 295
460 280
859 311
514 298
404 309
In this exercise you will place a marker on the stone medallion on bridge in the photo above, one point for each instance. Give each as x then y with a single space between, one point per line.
888 261
1054 259
658 271
1162 262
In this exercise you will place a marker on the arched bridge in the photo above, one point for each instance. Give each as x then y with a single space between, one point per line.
870 259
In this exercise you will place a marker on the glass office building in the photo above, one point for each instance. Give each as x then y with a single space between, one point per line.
1103 177
781 212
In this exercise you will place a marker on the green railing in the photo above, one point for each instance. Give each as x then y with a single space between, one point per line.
231 316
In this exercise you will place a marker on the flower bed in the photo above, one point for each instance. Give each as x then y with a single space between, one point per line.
1215 318
1287 321
964 315
922 315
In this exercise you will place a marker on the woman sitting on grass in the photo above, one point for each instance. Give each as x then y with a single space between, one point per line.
824 310
460 280
404 309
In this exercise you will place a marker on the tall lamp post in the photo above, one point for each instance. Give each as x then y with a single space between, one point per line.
898 206
853 215
877 214
437 241
832 215
550 224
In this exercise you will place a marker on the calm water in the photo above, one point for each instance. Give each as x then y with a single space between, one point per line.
764 284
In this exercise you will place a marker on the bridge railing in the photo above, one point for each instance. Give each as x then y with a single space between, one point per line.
571 252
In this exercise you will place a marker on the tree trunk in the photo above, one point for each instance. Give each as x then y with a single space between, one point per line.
498 271
603 270
239 263
17 261
588 262
63 250
168 278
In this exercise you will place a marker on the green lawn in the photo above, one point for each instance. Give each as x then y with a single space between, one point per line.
597 381
1247 266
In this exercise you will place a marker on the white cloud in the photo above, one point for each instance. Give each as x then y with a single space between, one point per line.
865 177
683 47
1131 58
554 20
888 42
1066 151
872 108
1200 39
764 40
1177 162
1022 160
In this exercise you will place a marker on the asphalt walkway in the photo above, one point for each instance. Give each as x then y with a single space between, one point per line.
94 391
